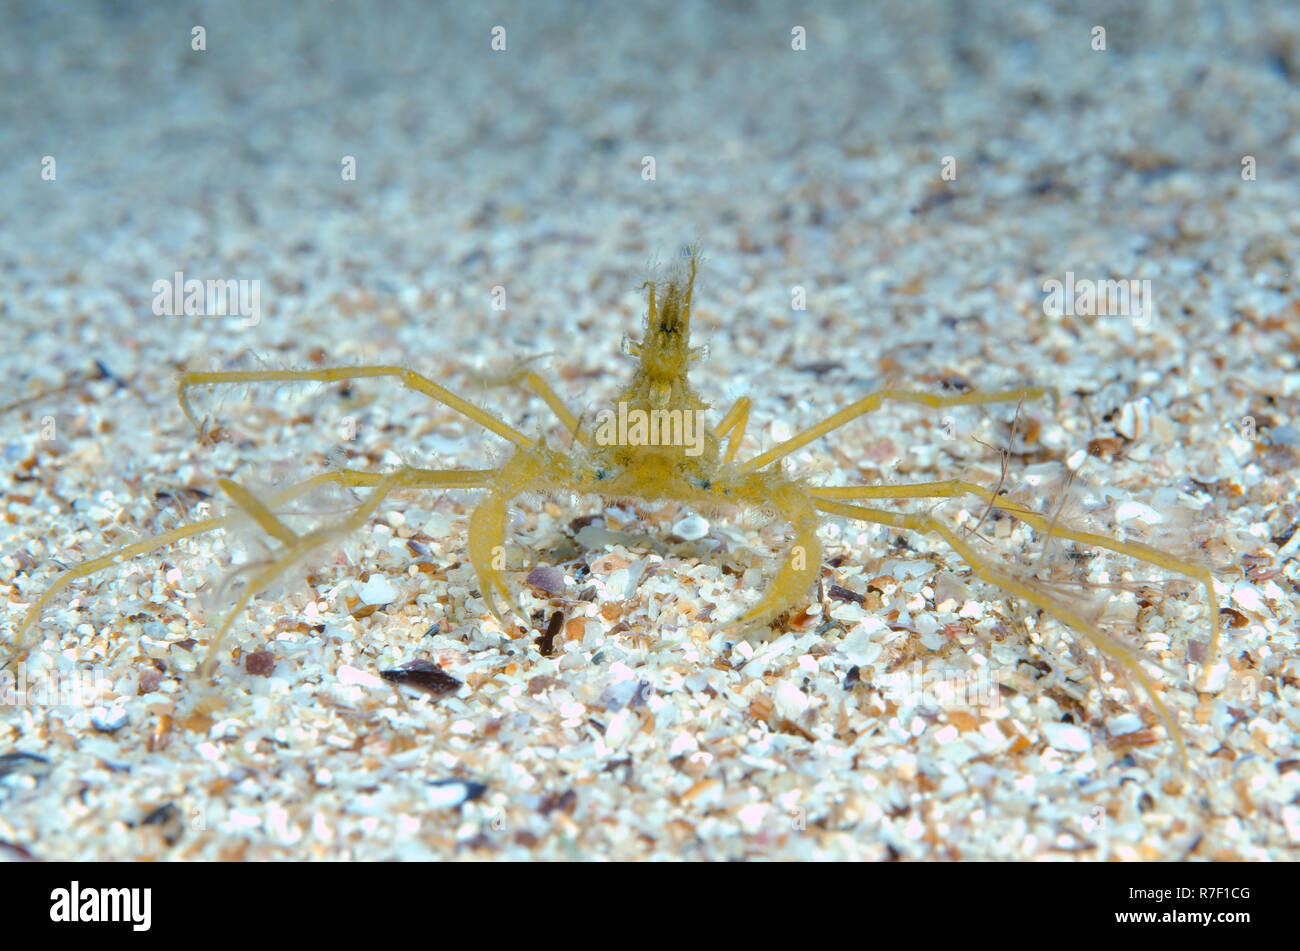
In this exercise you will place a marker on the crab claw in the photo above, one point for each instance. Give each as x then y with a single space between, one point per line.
487 532
798 570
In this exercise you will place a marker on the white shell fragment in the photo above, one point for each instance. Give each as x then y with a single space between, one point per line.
355 677
791 702
691 528
1247 598
377 590
453 792
1129 511
1067 737
1134 419
108 719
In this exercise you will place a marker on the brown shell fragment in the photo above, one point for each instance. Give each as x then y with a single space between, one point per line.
167 819
259 663
424 676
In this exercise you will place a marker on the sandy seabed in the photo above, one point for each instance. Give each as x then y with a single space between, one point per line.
886 207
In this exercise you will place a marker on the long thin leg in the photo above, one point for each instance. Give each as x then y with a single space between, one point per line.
19 643
956 487
980 566
153 543
549 396
733 424
869 403
409 379
534 381
296 545
466 478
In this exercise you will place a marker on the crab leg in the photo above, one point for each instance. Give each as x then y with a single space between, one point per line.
487 525
298 545
261 512
802 561
956 487
408 378
548 395
869 403
1120 652
732 425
